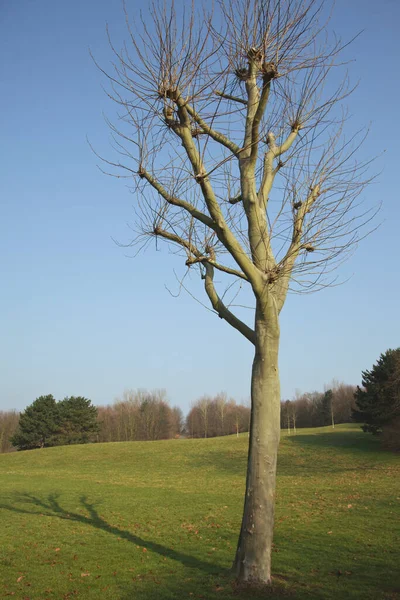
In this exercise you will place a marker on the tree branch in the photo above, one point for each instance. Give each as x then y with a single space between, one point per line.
206 259
215 135
253 95
199 257
235 199
224 233
285 267
258 234
268 167
197 214
222 310
270 72
298 221
279 150
233 98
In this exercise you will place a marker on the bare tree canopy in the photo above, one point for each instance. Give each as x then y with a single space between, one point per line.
232 136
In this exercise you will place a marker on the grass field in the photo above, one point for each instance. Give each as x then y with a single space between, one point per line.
160 520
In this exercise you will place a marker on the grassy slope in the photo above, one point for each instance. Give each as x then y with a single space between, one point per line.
160 520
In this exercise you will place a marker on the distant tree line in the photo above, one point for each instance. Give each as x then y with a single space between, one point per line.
142 415
213 416
139 416
319 409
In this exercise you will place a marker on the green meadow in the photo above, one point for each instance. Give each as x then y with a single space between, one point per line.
160 520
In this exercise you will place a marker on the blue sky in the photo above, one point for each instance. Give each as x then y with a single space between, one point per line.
77 316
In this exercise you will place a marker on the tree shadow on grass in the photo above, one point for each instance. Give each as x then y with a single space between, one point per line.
341 444
329 453
219 588
207 581
50 507
341 440
221 461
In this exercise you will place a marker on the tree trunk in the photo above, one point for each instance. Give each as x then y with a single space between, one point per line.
253 555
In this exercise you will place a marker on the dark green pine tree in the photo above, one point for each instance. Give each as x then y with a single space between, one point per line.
38 425
326 408
78 421
378 401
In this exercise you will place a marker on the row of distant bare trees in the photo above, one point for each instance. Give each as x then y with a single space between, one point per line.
141 415
209 417
318 409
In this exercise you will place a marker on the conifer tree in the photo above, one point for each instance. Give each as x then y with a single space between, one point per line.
378 401
77 421
38 425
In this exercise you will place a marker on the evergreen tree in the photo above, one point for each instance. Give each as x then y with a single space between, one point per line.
326 408
38 425
378 401
77 421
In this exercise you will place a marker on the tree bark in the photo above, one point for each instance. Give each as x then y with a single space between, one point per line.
253 556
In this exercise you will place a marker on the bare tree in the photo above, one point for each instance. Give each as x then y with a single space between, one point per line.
294 408
8 427
234 143
176 421
204 405
211 416
139 415
221 404
286 417
343 401
192 421
293 414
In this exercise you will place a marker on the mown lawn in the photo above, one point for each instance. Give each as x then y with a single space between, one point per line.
160 520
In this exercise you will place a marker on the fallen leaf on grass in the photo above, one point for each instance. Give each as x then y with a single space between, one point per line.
20 578
85 574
